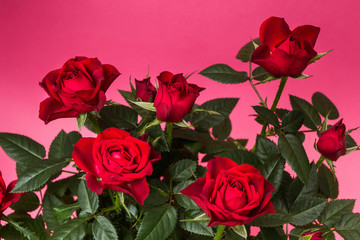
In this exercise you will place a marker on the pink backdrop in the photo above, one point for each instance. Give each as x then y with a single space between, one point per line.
178 36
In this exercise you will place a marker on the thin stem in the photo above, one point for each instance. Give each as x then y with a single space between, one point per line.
253 86
320 161
169 128
219 232
41 204
66 171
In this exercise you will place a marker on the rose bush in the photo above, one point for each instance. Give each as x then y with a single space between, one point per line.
116 160
175 97
231 194
78 87
332 142
284 52
145 90
6 197
315 235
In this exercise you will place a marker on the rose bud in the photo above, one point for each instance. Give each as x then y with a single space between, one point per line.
315 235
175 97
231 194
332 142
145 90
116 160
284 52
78 87
6 197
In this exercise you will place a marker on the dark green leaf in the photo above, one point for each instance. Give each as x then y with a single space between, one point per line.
183 200
266 149
213 147
348 226
61 147
324 106
197 227
223 130
272 170
320 55
50 202
292 121
80 121
28 202
38 174
74 229
247 50
24 231
271 220
260 74
224 74
130 98
267 115
65 211
294 153
103 229
273 233
306 210
350 142
118 116
242 157
312 118
328 184
88 200
334 210
22 149
184 169
158 223
74 137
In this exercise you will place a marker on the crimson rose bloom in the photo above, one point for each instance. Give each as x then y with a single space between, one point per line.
145 90
231 194
78 87
316 236
283 52
6 197
332 142
175 97
116 160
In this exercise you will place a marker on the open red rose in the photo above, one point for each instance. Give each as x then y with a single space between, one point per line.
78 87
315 235
6 197
145 90
284 52
116 160
231 194
332 142
175 97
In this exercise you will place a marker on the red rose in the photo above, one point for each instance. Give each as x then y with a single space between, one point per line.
283 52
145 90
175 97
116 160
332 142
315 235
231 194
78 87
6 197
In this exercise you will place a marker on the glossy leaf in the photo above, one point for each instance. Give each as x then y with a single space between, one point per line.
348 226
224 74
306 210
324 106
312 118
103 229
247 50
184 169
328 184
88 200
334 210
267 115
292 121
74 229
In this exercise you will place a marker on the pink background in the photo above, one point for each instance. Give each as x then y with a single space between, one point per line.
179 36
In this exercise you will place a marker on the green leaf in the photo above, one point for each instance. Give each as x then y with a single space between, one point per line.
27 203
61 147
118 116
348 226
198 226
242 157
38 175
103 229
74 137
272 170
184 169
247 50
50 202
158 223
240 230
306 210
88 200
266 149
224 74
65 211
24 231
334 210
22 149
260 74
320 55
267 115
183 200
271 220
145 105
80 121
224 106
130 98
293 121
312 118
324 106
294 153
273 233
212 147
328 184
222 130
74 229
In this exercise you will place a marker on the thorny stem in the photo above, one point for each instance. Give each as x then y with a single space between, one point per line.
219 232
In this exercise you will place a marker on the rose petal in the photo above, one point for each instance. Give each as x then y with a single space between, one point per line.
139 189
218 164
50 109
273 31
82 155
308 33
94 184
110 74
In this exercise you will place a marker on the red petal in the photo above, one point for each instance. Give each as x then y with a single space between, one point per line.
83 157
165 77
306 32
273 31
216 165
93 184
139 189
50 109
110 74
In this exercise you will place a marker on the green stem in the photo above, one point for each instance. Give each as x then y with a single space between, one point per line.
219 232
320 161
253 86
169 128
